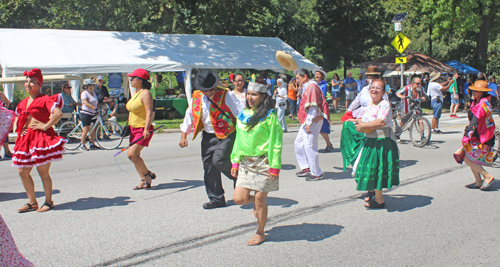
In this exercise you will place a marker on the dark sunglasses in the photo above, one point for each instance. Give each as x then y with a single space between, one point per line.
67 87
418 83
131 78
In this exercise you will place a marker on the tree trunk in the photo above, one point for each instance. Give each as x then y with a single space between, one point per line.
430 41
482 40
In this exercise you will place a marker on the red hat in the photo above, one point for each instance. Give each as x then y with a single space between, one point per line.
141 73
35 73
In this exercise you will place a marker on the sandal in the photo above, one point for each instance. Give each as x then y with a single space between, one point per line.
138 188
329 148
472 186
369 196
28 207
146 185
151 174
373 204
50 206
485 185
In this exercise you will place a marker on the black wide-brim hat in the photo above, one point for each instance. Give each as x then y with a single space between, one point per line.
204 79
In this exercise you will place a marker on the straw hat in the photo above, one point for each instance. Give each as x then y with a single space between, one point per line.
480 86
320 70
372 70
434 76
286 61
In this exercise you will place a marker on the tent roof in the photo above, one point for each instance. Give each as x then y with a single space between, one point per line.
415 62
461 67
75 51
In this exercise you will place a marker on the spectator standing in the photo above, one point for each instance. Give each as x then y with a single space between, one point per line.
350 88
481 76
435 91
319 76
336 83
360 84
87 113
281 97
112 106
292 98
69 102
101 92
239 90
467 97
159 88
181 75
454 98
494 92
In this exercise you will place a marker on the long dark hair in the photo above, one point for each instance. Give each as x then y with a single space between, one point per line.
145 83
262 110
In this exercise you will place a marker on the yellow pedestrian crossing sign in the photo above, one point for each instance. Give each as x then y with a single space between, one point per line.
401 42
401 60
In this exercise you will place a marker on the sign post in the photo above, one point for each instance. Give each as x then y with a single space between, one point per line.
401 42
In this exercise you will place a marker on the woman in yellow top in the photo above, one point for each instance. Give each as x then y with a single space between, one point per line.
140 107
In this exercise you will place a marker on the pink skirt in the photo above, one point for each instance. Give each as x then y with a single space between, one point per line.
136 133
8 249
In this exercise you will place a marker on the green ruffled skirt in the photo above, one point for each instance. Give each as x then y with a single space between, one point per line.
378 165
351 142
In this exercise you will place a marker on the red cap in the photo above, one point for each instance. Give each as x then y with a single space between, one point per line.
141 73
35 74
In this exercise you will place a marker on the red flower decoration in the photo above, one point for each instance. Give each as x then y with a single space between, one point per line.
221 126
216 98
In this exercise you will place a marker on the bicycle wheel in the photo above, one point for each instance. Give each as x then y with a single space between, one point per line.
109 135
396 128
72 132
420 131
497 144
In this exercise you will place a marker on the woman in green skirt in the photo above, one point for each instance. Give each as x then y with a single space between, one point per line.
378 165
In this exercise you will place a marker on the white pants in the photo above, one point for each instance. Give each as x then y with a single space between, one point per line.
306 148
113 126
281 117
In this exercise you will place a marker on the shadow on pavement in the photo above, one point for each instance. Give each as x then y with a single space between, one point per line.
288 167
182 184
453 132
21 195
338 175
407 163
271 201
401 203
331 151
305 231
90 203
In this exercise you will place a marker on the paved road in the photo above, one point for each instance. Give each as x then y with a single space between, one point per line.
430 219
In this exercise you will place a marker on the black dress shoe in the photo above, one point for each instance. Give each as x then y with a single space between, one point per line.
212 205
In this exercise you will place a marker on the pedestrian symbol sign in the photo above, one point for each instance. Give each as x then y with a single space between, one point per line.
401 60
401 42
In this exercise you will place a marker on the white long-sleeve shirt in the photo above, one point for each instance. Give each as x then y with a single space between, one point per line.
362 100
231 102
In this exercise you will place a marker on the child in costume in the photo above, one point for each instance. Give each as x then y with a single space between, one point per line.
256 155
37 142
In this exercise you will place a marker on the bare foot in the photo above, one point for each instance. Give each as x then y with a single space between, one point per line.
254 211
257 239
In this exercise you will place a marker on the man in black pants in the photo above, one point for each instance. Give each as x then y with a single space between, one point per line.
218 128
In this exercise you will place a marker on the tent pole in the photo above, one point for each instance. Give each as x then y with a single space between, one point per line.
187 84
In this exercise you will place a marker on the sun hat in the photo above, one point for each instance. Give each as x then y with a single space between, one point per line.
87 82
372 70
205 80
481 86
286 61
434 76
257 87
141 73
35 74
320 70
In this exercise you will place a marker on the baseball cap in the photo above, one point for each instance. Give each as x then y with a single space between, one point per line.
141 73
100 77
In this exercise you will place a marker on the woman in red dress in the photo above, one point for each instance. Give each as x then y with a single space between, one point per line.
37 143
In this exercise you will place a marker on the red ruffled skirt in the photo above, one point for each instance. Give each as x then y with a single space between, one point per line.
37 148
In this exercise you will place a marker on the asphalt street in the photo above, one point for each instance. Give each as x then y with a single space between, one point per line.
431 219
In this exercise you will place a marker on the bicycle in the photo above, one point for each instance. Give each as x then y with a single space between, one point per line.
496 148
418 126
109 134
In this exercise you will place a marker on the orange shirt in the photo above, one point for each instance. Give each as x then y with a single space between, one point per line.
291 93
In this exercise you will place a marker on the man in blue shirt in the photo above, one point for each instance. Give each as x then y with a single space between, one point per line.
180 80
467 98
360 84
350 87
319 76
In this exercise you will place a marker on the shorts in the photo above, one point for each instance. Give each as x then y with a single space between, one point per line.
136 133
87 119
335 94
437 107
454 100
154 105
349 95
467 98
325 128
493 101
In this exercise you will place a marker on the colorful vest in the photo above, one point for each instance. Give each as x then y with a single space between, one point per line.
223 126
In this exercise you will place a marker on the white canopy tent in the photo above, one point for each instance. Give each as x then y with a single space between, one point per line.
100 52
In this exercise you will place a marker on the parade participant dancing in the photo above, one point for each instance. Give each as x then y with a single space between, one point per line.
256 155
10 255
313 108
479 137
351 141
37 142
378 165
140 118
213 110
